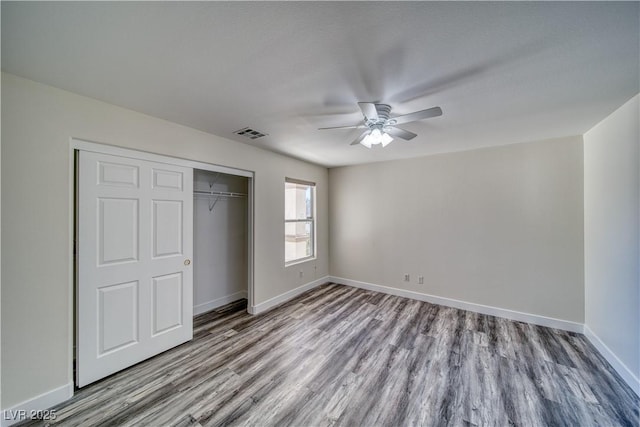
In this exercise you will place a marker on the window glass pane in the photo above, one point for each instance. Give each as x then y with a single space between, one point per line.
308 202
298 201
298 242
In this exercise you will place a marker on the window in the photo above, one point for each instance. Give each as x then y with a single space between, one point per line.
299 220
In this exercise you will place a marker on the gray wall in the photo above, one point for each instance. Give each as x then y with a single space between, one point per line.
37 124
499 226
612 233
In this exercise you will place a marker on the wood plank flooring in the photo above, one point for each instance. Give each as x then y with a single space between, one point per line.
343 356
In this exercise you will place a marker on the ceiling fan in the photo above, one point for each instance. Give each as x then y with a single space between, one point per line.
380 128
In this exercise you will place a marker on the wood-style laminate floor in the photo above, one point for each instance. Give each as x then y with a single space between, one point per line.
337 355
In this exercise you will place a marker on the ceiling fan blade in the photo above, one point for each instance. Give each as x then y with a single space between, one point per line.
369 110
344 127
418 115
400 133
361 137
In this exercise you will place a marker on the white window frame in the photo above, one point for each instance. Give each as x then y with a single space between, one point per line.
312 220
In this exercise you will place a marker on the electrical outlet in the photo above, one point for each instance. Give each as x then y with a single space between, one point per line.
421 280
407 278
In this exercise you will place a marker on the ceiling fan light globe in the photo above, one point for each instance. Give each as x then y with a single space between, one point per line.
366 141
375 137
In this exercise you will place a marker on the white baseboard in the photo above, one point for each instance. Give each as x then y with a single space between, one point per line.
477 308
617 364
270 303
218 302
23 410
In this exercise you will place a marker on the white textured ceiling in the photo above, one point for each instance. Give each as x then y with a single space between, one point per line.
501 72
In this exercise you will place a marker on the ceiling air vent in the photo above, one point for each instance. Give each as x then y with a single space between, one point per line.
250 133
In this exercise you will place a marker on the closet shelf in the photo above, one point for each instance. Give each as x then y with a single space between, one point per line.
218 193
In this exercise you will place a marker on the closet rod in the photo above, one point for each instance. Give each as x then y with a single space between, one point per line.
219 193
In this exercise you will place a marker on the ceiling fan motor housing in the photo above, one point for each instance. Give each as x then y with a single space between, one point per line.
383 115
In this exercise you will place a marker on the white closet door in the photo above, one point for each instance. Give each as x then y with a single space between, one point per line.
135 245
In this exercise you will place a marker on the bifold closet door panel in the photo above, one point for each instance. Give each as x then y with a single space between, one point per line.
135 246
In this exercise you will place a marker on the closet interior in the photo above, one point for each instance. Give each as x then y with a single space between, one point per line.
220 233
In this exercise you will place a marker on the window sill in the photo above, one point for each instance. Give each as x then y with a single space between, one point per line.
299 261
